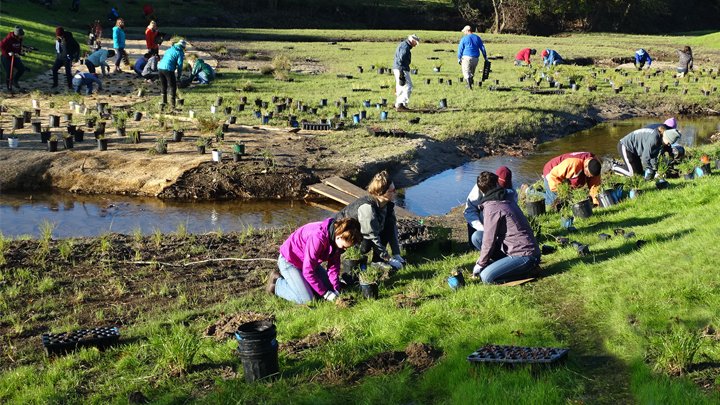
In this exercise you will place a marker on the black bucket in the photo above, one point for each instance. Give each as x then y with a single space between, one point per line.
258 350
583 209
535 208
369 291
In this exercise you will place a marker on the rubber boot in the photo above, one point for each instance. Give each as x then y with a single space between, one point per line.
470 82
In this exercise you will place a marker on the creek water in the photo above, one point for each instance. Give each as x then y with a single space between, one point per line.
76 215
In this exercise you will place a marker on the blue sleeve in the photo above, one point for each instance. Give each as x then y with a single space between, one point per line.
181 59
649 59
482 49
461 47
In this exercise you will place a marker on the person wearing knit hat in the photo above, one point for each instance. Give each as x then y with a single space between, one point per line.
171 62
578 169
473 214
67 50
401 70
469 50
640 150
11 47
670 123
551 58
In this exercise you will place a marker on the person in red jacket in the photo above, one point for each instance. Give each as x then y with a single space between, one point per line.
524 56
151 40
11 50
579 169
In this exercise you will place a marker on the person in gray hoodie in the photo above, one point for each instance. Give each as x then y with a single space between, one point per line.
509 248
401 70
685 64
640 149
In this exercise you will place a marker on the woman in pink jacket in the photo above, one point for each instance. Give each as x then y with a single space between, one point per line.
302 276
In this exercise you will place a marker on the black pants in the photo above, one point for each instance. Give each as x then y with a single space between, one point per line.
167 79
18 67
59 63
90 66
366 244
632 166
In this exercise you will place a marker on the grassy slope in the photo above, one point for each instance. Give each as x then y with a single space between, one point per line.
611 308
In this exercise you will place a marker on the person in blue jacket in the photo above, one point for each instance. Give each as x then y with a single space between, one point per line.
642 58
85 79
171 62
119 44
469 50
551 58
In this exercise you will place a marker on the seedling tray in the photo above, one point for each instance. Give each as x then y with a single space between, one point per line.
315 127
517 355
64 342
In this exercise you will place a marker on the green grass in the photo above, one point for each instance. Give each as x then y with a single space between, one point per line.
631 316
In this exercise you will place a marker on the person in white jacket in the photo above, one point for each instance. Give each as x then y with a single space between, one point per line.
473 213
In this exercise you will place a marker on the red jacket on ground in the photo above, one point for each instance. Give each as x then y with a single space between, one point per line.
11 43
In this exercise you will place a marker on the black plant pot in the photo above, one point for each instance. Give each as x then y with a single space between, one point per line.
201 150
583 209
535 208
27 116
177 136
237 157
443 103
44 136
52 146
228 110
180 101
240 107
161 149
225 127
18 122
661 184
218 101
71 129
102 144
606 199
137 116
36 126
68 142
120 131
79 135
90 122
369 291
232 119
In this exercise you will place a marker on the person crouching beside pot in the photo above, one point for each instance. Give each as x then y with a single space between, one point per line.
302 276
509 249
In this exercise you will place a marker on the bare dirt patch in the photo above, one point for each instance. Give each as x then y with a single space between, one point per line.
295 347
226 326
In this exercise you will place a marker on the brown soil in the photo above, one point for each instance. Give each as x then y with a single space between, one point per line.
295 347
114 280
226 326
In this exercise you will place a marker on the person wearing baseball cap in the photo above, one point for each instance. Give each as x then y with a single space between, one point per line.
401 70
11 47
641 148
469 50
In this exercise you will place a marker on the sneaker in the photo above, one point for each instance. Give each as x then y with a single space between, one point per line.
401 107
273 277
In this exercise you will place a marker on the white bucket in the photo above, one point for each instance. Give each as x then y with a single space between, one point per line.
213 109
216 155
191 114
13 142
72 105
35 104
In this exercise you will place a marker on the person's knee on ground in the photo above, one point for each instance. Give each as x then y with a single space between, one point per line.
476 240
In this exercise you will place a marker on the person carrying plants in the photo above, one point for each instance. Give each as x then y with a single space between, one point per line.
86 79
150 71
469 50
578 169
99 58
473 211
642 59
201 71
524 56
119 44
685 64
509 250
401 70
67 51
171 62
551 58
302 276
641 148
378 224
11 47
152 38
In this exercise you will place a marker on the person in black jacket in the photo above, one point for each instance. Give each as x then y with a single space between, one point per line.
401 70
378 223
67 51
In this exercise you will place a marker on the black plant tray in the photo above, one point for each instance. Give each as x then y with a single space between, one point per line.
499 88
64 342
315 127
359 90
517 355
547 92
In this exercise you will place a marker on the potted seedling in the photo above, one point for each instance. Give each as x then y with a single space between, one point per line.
687 169
68 141
238 151
120 122
582 205
45 134
201 143
352 258
161 145
534 203
102 142
134 137
369 281
52 143
140 90
634 183
563 201
437 67
178 132
216 155
13 140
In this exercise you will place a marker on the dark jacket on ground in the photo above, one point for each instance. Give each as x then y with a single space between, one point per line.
507 230
646 143
373 220
403 57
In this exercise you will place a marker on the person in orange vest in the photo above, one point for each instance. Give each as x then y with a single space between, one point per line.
579 169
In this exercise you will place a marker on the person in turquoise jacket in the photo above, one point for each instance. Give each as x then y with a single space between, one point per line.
551 58
171 62
201 71
119 44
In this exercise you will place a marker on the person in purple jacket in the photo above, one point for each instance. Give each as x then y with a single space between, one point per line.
302 276
509 249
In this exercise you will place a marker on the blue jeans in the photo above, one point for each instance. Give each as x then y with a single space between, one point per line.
204 78
550 195
292 286
509 268
475 237
78 83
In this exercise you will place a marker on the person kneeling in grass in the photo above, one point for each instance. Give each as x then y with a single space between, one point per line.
201 71
301 276
579 169
509 249
640 150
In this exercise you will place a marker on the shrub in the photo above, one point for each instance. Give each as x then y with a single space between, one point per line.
266 70
282 62
673 352
176 349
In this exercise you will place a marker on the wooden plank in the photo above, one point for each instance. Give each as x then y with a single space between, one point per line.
332 193
344 185
518 282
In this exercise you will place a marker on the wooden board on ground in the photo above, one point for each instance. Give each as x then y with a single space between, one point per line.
519 282
332 193
355 191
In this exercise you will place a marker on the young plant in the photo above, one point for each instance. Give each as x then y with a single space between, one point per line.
674 351
352 253
371 275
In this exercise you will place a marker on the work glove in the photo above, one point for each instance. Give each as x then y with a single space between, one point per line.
399 258
10 54
395 263
477 270
330 295
459 61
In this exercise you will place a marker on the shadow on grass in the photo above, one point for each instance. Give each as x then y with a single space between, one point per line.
626 224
